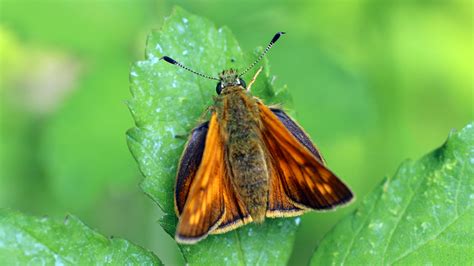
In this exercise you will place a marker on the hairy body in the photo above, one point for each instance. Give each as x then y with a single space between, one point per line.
246 165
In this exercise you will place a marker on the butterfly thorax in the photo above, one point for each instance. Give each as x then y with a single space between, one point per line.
245 157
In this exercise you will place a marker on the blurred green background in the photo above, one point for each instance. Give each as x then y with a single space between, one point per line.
373 83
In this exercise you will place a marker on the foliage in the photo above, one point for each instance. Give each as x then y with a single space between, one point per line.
423 215
371 82
26 240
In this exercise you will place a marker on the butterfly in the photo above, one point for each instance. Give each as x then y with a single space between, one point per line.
248 162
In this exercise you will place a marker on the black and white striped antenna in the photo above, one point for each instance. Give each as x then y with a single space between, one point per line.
174 62
272 42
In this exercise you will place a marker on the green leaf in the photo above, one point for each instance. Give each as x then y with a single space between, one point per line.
169 101
26 240
424 215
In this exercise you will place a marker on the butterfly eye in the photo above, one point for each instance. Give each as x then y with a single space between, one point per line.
242 82
219 88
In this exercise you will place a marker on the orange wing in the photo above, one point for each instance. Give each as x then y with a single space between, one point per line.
211 205
235 214
189 164
299 181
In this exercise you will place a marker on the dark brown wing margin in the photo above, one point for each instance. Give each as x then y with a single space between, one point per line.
203 209
303 178
297 132
189 164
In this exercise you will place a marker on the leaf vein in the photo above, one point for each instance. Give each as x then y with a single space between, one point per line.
457 216
359 230
428 240
241 250
50 249
402 214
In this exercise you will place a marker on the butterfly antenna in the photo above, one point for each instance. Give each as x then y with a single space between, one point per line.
272 42
174 62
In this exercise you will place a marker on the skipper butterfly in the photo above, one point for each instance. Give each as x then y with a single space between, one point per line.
248 162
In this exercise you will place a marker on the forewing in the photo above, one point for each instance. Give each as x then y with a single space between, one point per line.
297 132
189 164
203 210
206 201
298 176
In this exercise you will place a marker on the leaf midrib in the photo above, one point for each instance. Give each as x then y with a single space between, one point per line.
241 250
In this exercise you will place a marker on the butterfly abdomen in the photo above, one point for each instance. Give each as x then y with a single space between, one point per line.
244 155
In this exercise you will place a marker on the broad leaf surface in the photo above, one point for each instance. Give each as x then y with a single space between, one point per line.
26 240
423 215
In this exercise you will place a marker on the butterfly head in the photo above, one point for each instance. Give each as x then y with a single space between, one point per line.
229 78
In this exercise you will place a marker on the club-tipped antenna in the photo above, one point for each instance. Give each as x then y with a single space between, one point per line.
272 42
174 62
